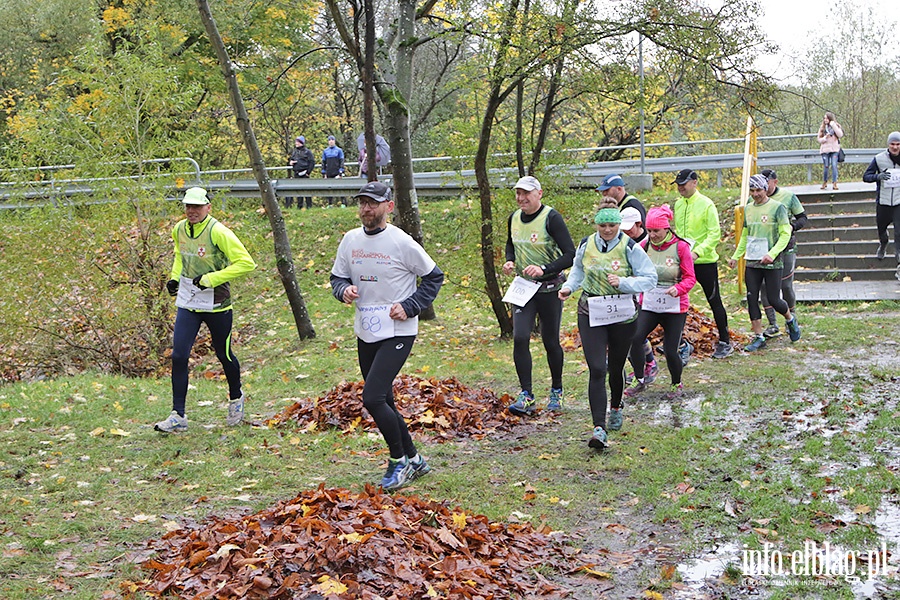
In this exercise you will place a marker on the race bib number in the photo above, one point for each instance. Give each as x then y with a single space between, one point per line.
193 298
658 301
521 291
757 247
894 181
373 323
606 310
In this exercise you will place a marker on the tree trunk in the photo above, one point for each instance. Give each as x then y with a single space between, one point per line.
283 258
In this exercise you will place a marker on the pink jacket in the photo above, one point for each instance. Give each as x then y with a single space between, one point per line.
688 278
828 142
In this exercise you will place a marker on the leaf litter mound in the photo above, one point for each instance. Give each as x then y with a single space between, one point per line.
699 330
332 543
444 407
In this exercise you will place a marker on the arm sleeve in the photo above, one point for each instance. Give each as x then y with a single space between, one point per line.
742 243
175 273
838 130
576 275
784 232
688 277
241 261
643 273
800 221
871 172
713 232
341 154
556 226
425 294
338 286
323 163
510 251
341 278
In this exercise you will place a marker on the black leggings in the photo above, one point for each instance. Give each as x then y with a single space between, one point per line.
673 326
605 349
549 307
787 286
708 278
380 362
754 278
187 325
884 216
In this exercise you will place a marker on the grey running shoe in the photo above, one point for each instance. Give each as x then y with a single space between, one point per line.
598 439
757 344
882 248
723 350
235 411
614 422
524 406
684 351
174 423
419 469
771 331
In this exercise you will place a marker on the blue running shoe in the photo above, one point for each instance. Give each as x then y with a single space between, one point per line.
793 328
614 422
598 439
399 473
524 406
420 468
554 402
684 351
757 344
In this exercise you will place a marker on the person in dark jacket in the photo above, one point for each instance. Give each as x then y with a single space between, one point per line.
884 171
302 163
333 164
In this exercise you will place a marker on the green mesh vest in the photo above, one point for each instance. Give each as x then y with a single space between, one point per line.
200 256
667 263
532 241
598 264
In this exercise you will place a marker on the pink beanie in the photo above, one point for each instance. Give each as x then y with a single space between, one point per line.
659 217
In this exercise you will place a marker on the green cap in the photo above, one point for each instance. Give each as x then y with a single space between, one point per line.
608 215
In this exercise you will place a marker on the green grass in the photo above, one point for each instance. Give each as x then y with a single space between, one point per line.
731 460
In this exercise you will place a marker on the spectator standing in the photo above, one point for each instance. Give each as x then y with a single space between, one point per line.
333 163
609 268
302 163
538 249
765 234
208 256
884 171
799 220
696 221
830 133
377 266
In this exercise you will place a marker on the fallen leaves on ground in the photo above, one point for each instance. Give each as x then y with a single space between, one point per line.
445 407
353 545
699 330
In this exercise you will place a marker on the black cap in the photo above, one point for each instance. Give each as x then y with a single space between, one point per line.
769 174
685 175
376 191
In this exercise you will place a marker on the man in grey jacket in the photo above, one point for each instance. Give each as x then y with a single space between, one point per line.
884 171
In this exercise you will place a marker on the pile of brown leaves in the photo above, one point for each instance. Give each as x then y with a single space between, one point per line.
337 544
699 330
444 407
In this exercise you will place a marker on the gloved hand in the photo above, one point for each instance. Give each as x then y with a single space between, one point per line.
197 282
883 176
172 287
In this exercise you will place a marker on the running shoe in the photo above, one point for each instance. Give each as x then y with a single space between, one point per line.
882 248
420 468
651 370
398 474
629 377
757 344
598 439
771 331
614 421
175 423
636 388
554 402
524 406
235 411
684 351
723 350
793 328
676 392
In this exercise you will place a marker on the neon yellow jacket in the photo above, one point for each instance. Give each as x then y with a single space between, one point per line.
239 260
697 221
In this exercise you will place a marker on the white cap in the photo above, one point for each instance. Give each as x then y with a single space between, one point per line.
196 195
528 183
630 216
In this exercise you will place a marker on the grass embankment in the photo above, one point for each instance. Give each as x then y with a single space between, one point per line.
796 443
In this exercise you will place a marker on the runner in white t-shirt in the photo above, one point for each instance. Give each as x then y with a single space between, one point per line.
377 266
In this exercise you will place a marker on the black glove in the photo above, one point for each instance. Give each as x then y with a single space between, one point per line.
197 282
172 287
883 176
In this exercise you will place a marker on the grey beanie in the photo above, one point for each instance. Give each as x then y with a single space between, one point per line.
894 136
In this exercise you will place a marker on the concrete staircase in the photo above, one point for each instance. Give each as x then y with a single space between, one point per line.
841 238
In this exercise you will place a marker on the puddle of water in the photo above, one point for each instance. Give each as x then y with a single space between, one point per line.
887 521
696 571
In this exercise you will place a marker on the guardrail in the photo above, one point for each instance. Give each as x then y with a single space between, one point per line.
428 183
